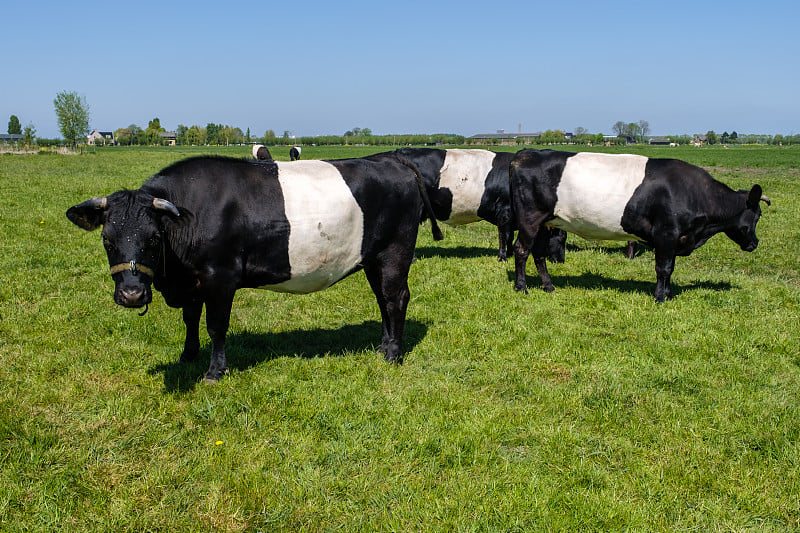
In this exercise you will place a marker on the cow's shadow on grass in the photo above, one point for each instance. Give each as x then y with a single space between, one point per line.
246 350
593 281
460 252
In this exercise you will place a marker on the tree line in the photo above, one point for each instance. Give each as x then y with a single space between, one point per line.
73 116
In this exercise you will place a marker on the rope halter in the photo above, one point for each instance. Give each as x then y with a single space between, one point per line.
133 267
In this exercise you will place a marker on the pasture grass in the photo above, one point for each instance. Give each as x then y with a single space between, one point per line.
591 408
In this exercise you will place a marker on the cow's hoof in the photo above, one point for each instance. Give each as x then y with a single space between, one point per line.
548 288
394 359
523 289
213 378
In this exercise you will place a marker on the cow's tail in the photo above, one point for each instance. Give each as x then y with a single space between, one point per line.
437 233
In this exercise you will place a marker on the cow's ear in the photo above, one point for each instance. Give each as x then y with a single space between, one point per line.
89 214
754 197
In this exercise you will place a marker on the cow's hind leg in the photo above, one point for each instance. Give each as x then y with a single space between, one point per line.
521 253
531 236
389 282
505 231
541 249
191 318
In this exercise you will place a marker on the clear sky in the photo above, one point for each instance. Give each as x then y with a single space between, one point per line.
318 68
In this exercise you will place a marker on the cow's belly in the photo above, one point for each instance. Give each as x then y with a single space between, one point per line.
326 226
593 192
464 173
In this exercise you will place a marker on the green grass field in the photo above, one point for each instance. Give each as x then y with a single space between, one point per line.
591 408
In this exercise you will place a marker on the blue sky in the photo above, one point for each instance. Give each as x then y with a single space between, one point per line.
317 68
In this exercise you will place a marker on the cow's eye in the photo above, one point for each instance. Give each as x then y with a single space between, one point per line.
155 240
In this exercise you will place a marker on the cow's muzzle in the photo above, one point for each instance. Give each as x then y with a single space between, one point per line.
133 294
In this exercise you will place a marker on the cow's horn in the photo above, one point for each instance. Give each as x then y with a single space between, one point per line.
95 203
765 199
166 205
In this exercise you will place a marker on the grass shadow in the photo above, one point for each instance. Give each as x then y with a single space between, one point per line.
610 249
460 252
593 281
246 350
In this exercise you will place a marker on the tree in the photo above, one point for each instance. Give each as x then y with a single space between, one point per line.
73 116
711 137
212 133
14 127
180 134
153 130
644 128
29 135
619 128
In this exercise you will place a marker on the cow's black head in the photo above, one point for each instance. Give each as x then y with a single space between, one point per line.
133 223
557 245
743 229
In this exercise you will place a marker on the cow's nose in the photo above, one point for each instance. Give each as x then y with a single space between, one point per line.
132 297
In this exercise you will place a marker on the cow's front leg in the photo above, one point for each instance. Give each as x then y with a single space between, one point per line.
191 346
665 264
218 316
521 253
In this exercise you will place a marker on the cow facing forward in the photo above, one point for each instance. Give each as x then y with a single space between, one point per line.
205 227
671 205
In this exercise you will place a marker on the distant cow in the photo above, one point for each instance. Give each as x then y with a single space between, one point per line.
671 205
294 153
205 227
470 185
261 153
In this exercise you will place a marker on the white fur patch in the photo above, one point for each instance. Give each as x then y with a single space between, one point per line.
326 226
255 150
299 150
593 193
464 173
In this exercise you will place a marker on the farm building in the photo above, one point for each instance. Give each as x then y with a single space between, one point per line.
169 137
105 137
10 137
503 137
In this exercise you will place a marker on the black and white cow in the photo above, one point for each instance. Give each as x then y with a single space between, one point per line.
294 153
205 227
261 153
671 205
470 185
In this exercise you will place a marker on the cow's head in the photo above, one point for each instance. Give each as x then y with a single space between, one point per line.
133 223
557 245
743 229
